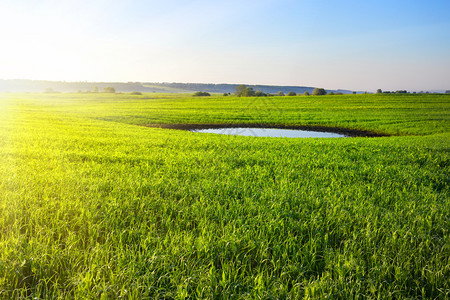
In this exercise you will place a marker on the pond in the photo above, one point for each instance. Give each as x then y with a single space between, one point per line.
271 132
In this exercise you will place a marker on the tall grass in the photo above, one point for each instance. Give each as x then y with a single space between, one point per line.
93 206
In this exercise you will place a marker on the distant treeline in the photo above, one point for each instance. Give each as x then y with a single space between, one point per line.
36 86
25 85
379 91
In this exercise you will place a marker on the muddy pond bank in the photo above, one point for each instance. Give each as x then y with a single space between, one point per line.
344 131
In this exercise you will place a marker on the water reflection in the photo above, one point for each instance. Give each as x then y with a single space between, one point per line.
271 132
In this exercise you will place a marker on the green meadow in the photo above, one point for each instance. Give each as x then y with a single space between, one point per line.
95 206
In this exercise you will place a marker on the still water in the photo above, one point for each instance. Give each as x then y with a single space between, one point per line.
271 132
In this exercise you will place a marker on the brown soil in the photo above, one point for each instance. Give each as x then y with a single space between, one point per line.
345 131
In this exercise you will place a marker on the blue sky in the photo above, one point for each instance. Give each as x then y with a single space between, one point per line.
358 45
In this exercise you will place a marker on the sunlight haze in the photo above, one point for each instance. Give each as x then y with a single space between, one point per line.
359 45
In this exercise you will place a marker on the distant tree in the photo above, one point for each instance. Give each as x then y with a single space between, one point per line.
379 91
292 94
135 93
340 93
447 91
331 93
95 89
201 94
354 93
225 94
240 90
319 92
280 93
260 94
250 92
244 91
306 93
109 89
50 91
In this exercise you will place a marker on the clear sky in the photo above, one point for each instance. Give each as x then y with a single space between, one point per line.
357 45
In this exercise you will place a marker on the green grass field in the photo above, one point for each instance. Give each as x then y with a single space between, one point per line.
92 205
